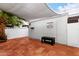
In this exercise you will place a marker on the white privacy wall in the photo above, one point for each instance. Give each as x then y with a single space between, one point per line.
16 32
59 30
40 29
73 34
61 27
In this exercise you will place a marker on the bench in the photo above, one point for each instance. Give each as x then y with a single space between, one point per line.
48 40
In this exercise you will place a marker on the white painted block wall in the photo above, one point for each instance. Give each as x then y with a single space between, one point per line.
73 34
61 27
40 29
59 30
16 32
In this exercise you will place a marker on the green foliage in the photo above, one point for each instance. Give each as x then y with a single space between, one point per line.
14 20
11 19
1 13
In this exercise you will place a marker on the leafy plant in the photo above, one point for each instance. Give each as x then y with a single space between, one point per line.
15 21
6 19
10 19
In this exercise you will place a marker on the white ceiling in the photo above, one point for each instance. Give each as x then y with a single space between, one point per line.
28 11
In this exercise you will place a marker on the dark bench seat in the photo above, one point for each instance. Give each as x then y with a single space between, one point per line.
49 40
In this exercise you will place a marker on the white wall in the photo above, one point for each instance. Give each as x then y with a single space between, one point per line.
65 33
59 29
16 32
42 30
73 34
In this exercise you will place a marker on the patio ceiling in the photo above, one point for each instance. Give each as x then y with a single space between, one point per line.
28 11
